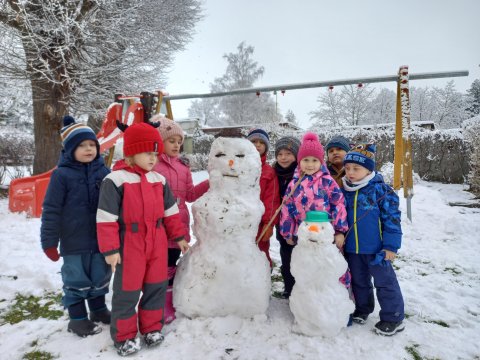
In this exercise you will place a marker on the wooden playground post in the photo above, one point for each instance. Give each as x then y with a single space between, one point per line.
403 172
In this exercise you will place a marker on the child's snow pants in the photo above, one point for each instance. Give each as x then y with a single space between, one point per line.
143 270
388 291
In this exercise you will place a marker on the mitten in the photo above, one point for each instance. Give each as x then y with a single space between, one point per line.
52 253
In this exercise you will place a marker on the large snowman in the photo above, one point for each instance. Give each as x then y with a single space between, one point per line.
224 273
319 302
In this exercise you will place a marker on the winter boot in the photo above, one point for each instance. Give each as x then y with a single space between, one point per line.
169 309
153 338
102 316
388 328
359 318
83 327
128 347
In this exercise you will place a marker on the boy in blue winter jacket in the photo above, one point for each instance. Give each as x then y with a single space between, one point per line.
69 218
372 241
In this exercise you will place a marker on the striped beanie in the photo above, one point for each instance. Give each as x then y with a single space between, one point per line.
259 134
168 127
362 154
73 134
287 143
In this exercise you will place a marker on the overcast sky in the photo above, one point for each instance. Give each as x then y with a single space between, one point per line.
315 40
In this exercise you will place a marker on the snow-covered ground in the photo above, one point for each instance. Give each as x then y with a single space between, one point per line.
438 270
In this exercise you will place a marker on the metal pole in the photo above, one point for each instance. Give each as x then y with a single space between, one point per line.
370 80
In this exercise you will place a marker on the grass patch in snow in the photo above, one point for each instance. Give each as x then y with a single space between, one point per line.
33 307
453 270
412 350
277 294
276 278
38 355
439 322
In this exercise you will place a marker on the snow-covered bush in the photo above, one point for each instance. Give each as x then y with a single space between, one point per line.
437 155
16 148
471 129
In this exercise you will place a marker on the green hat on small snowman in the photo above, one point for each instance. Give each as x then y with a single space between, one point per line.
317 217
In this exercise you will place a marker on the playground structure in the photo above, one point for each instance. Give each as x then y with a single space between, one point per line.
27 194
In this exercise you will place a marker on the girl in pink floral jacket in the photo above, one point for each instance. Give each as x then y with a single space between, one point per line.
179 178
317 191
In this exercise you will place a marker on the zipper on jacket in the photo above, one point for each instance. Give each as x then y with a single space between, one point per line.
355 221
380 229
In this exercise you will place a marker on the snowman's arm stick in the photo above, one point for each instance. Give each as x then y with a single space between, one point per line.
285 198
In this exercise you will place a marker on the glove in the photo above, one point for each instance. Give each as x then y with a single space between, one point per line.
52 253
268 234
379 259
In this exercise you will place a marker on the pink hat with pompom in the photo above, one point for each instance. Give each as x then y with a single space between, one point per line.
311 147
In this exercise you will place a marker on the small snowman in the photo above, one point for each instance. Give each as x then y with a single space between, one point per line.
319 302
224 273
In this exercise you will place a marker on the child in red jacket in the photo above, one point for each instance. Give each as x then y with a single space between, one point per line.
137 213
268 189
179 177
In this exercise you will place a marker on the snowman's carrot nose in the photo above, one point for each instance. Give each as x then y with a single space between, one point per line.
314 228
230 163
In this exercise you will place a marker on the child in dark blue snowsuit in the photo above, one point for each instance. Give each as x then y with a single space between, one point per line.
372 241
69 218
286 150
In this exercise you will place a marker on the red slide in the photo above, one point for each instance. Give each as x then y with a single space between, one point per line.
26 194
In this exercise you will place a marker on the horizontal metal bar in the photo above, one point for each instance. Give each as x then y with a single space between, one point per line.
317 84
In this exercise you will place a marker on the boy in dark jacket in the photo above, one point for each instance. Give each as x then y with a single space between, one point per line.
286 150
373 240
68 218
336 149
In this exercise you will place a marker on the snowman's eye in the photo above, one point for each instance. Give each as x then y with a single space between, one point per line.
240 155
220 155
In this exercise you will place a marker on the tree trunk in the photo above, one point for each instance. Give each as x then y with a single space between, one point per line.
49 106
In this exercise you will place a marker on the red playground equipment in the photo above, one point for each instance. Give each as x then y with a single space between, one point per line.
27 194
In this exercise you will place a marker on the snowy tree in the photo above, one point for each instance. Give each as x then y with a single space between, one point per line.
291 118
449 106
330 112
207 110
474 97
349 107
421 105
78 53
357 98
15 103
381 109
242 72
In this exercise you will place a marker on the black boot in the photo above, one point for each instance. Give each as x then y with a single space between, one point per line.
83 327
98 310
103 316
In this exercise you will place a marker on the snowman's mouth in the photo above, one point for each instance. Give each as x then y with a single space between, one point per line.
230 175
312 240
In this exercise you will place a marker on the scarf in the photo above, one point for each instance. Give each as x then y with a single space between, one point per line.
354 186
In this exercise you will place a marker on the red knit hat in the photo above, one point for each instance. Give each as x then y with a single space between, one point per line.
140 138
311 147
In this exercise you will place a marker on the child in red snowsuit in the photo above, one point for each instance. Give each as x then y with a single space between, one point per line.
137 213
177 172
268 190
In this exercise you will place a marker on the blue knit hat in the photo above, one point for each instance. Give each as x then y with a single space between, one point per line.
340 142
261 135
73 134
362 154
